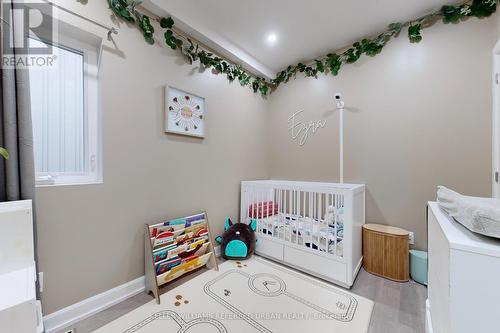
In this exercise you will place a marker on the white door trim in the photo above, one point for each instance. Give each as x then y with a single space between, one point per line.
496 119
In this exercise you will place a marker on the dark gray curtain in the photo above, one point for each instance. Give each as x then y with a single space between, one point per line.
17 175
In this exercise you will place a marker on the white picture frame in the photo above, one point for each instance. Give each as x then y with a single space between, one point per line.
185 113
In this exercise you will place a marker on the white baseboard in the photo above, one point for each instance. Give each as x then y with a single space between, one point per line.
72 314
90 306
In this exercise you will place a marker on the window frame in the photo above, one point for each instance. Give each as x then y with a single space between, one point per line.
92 141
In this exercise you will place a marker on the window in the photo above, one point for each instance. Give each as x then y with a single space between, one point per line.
65 115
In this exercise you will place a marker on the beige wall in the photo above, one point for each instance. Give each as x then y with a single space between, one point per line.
91 237
497 20
418 115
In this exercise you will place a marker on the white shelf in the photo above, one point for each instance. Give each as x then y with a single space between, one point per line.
17 287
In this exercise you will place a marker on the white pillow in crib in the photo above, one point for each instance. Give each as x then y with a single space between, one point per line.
480 215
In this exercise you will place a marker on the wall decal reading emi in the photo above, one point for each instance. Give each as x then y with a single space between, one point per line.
301 130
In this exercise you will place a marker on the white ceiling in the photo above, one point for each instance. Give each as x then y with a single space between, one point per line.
305 29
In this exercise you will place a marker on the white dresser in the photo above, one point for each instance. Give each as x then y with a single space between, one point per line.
464 278
19 309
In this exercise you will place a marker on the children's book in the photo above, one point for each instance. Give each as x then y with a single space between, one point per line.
163 238
172 250
189 252
192 257
167 265
160 255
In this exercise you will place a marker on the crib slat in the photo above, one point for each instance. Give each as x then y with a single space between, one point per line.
336 222
290 214
304 240
285 207
311 221
280 233
320 220
298 213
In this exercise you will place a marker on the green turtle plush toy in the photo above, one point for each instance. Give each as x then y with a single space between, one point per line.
238 240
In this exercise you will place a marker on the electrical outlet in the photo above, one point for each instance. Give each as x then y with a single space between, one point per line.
40 281
411 237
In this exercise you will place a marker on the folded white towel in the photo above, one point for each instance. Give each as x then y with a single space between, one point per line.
480 215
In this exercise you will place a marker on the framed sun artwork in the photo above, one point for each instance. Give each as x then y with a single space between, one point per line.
185 113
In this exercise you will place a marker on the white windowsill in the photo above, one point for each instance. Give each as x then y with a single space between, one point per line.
43 181
97 182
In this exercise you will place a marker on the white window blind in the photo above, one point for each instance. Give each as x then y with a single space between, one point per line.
58 114
65 117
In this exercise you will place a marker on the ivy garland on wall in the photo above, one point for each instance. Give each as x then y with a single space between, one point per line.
328 64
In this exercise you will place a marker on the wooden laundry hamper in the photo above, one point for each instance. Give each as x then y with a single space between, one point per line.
386 251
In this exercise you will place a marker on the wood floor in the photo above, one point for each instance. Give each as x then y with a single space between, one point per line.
399 307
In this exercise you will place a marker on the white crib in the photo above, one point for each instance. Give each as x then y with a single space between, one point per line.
313 227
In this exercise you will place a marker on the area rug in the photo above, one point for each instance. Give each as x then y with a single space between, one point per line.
255 295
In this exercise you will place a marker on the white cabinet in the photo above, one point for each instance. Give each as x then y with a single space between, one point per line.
19 309
464 271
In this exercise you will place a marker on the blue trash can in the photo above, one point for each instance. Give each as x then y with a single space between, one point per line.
418 266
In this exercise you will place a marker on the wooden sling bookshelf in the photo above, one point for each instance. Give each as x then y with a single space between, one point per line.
176 247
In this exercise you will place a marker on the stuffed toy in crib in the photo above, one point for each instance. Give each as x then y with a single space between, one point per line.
238 240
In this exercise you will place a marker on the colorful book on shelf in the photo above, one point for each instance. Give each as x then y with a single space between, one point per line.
177 230
189 252
188 259
198 232
194 228
205 239
167 265
193 244
173 250
186 221
154 231
201 232
195 218
176 224
160 255
197 242
164 252
180 221
163 238
183 268
201 250
168 237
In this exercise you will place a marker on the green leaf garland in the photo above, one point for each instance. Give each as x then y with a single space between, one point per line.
329 64
4 153
414 33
